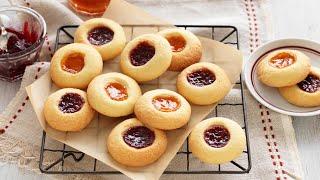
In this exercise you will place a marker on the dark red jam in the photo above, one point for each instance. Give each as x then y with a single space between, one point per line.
201 77
217 136
139 137
71 103
311 84
141 54
100 36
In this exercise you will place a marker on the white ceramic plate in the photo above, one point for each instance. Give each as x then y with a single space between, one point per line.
269 96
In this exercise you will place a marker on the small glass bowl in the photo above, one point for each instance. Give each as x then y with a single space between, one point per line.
21 19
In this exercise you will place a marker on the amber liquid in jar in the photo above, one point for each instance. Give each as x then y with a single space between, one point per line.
90 7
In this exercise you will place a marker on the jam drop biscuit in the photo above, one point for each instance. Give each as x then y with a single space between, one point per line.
75 65
203 83
113 94
217 140
104 35
163 109
146 57
283 68
186 48
306 93
68 110
131 143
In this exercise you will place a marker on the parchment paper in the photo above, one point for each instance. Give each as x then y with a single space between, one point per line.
92 140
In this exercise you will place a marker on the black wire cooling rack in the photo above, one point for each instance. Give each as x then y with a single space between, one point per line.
226 34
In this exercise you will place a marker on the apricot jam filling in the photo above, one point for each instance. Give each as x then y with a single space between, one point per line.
166 103
177 43
117 91
282 60
73 63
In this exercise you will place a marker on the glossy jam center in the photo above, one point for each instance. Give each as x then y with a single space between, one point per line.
166 103
141 54
311 84
117 91
71 103
217 136
201 77
73 63
139 137
100 35
282 60
177 43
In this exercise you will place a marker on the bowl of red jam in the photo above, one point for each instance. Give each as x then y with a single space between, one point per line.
22 33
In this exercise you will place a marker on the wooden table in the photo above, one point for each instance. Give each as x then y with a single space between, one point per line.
292 18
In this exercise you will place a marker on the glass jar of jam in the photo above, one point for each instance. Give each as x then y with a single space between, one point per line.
22 33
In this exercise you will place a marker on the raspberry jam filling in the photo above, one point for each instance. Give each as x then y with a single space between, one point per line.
100 36
71 103
166 103
201 77
141 54
117 91
139 137
282 60
311 84
217 136
177 43
73 63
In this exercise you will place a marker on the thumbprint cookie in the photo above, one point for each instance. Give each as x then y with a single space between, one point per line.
104 35
203 83
68 110
283 68
75 65
113 94
132 143
146 57
163 109
217 140
185 46
306 93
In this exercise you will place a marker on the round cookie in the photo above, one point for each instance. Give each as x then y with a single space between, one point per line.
284 67
186 48
104 35
306 93
68 110
113 94
203 83
131 143
163 109
75 65
146 57
217 140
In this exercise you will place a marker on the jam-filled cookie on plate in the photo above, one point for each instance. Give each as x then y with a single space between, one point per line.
146 57
113 94
68 110
203 83
131 143
186 48
163 109
306 93
282 68
75 65
217 140
104 35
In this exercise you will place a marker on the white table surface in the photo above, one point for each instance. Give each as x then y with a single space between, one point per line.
292 18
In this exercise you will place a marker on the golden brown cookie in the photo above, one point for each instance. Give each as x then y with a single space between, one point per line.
217 140
131 143
146 57
163 109
203 83
75 65
186 48
104 35
68 110
284 67
113 94
306 93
